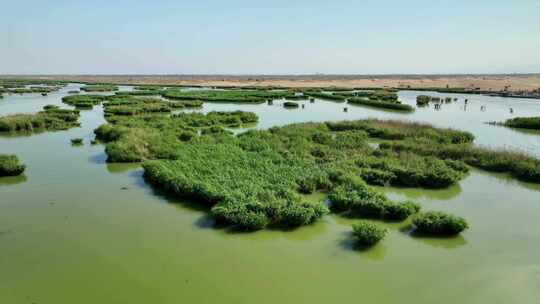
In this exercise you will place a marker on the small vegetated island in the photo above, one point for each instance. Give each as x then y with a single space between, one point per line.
10 165
17 86
531 123
383 99
230 96
99 88
51 118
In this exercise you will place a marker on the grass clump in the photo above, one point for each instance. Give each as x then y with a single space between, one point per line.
519 165
392 105
367 233
83 101
232 96
439 223
51 118
243 189
326 96
76 141
423 100
352 195
290 104
10 165
532 123
399 130
410 170
100 88
154 136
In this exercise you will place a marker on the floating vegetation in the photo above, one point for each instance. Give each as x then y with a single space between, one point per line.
74 92
83 101
439 223
290 104
76 141
368 233
100 88
532 123
10 165
51 118
233 96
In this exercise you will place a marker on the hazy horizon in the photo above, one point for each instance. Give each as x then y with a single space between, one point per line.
278 38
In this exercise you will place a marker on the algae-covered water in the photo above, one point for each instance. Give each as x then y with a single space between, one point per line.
75 229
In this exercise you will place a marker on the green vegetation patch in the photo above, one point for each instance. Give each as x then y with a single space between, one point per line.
353 196
532 123
83 101
150 136
290 104
100 88
439 223
399 130
367 233
244 190
232 96
391 105
519 165
10 165
77 141
51 118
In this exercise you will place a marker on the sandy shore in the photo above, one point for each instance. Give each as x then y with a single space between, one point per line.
514 82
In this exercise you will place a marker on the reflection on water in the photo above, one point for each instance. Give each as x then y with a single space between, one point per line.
420 193
12 180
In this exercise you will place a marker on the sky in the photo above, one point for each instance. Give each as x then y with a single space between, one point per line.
269 37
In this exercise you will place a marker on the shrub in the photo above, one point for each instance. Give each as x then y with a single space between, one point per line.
439 223
367 233
10 165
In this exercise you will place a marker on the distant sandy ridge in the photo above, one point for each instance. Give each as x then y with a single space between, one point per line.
513 82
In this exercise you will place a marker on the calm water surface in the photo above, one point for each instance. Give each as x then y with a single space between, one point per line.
74 229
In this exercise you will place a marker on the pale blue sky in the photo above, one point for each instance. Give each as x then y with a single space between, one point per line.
274 37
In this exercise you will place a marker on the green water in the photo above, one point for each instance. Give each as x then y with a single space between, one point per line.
77 230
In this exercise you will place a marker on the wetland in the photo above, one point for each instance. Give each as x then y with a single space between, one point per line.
187 188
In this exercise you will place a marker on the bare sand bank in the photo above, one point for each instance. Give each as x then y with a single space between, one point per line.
513 82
